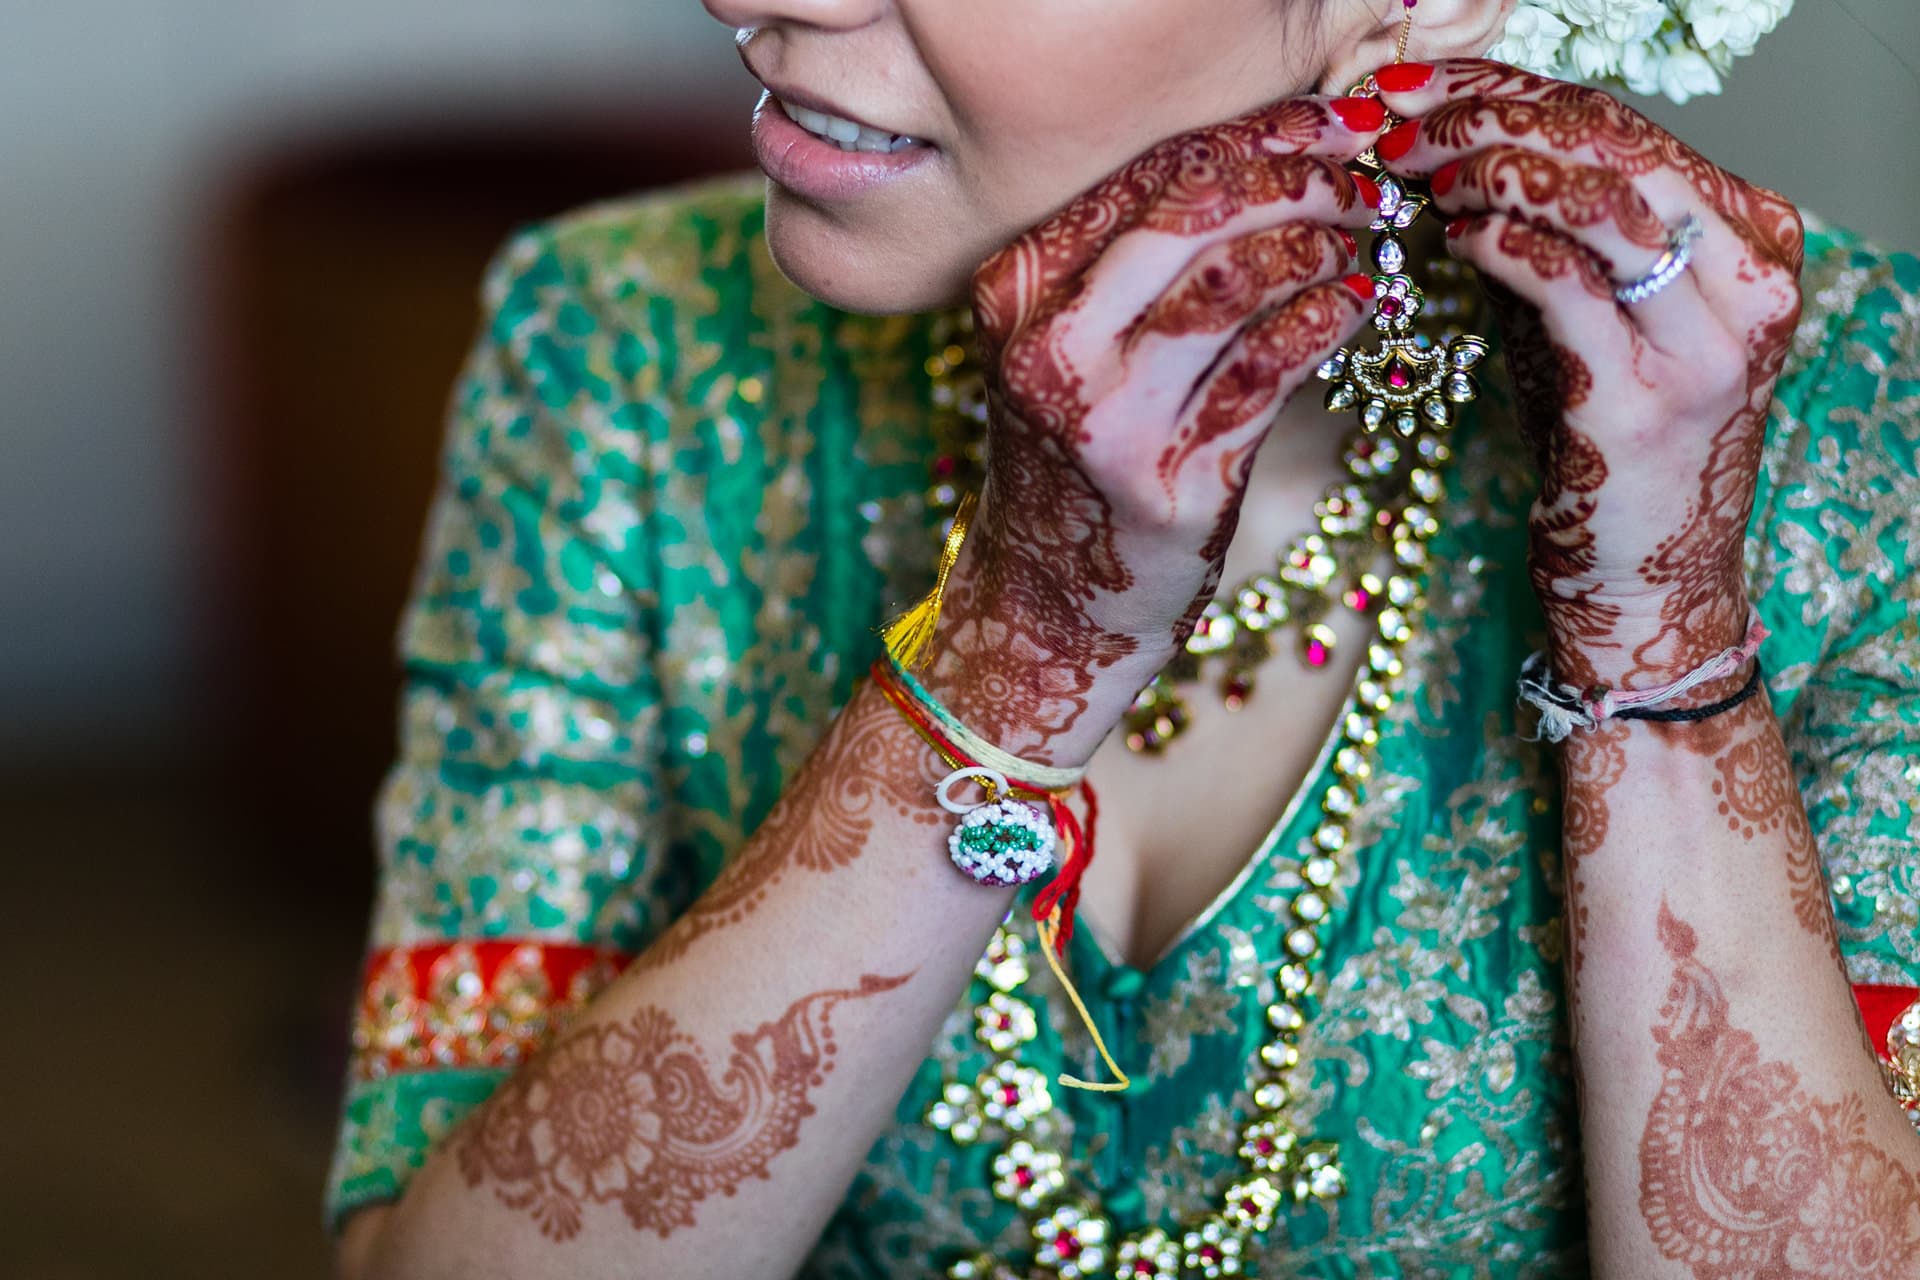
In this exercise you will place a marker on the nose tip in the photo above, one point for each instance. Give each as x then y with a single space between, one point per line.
746 16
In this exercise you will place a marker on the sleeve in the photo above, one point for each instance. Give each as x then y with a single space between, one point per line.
1842 557
521 828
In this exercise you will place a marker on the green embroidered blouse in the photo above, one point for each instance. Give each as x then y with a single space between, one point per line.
678 494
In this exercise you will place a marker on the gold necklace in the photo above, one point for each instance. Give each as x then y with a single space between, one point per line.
1406 393
1010 1103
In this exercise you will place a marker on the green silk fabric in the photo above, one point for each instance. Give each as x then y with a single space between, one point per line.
679 495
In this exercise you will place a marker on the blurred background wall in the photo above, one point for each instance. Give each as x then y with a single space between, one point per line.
178 179
120 121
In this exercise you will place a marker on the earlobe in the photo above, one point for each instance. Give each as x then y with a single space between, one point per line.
1441 29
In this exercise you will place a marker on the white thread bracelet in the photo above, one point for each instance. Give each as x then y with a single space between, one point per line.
1564 708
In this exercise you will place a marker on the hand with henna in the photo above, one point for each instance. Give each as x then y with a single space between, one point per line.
1733 1122
1646 419
1139 344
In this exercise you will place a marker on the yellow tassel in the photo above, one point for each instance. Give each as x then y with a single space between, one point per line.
1047 929
908 635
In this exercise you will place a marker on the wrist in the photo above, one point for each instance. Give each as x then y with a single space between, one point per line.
1646 640
1037 683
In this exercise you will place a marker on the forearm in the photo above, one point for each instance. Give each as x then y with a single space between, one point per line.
728 1084
1733 1118
765 1038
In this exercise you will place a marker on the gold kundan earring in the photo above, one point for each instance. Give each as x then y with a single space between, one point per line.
1407 386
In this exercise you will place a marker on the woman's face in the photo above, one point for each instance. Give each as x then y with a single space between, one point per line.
1025 104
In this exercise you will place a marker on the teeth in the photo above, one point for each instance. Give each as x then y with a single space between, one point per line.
845 134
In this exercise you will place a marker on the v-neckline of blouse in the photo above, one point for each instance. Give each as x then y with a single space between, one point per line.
1313 782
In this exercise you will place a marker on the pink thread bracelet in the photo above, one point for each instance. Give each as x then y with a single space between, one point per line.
1563 708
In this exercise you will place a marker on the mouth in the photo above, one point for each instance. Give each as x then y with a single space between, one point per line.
842 131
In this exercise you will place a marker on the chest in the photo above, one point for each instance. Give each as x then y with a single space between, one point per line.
1176 830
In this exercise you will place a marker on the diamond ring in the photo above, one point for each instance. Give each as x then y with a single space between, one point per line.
1668 267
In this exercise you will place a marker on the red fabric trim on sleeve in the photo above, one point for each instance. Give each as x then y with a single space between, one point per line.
472 1004
1880 1005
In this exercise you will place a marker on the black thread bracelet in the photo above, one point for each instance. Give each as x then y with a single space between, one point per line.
1747 690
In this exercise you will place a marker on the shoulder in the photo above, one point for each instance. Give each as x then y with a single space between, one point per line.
636 281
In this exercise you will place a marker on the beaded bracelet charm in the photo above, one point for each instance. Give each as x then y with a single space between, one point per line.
1010 842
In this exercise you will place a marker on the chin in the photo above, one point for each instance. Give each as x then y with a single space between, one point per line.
865 273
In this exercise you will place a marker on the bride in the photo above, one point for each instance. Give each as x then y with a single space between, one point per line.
1441 542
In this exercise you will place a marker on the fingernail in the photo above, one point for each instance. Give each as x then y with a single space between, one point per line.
1444 176
1346 238
1403 77
1397 141
1368 191
1362 285
1362 115
1457 226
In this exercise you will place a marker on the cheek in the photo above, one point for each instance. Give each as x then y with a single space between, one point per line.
1049 96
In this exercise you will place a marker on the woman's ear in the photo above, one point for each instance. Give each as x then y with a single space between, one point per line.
1365 33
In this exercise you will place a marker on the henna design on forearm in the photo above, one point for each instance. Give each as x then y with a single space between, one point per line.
1744 1174
870 763
631 1114
1756 793
1591 766
1018 653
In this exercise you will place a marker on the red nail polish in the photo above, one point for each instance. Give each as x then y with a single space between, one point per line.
1362 115
1457 226
1353 246
1362 285
1397 141
1443 177
1403 77
1368 191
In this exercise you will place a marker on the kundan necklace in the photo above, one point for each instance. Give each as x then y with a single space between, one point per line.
1405 392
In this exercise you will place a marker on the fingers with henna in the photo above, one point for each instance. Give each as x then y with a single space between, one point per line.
1010 284
1227 282
1180 335
1206 207
1546 269
1752 235
1595 209
1266 363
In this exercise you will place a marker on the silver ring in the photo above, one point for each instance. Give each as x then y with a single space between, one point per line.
1668 267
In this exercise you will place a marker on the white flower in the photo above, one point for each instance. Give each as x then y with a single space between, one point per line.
1735 25
1621 21
1532 39
1680 48
1685 73
1640 68
1593 58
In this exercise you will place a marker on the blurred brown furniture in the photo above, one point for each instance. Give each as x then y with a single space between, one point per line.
344 277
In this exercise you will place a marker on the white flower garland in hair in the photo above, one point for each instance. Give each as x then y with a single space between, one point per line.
1679 48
